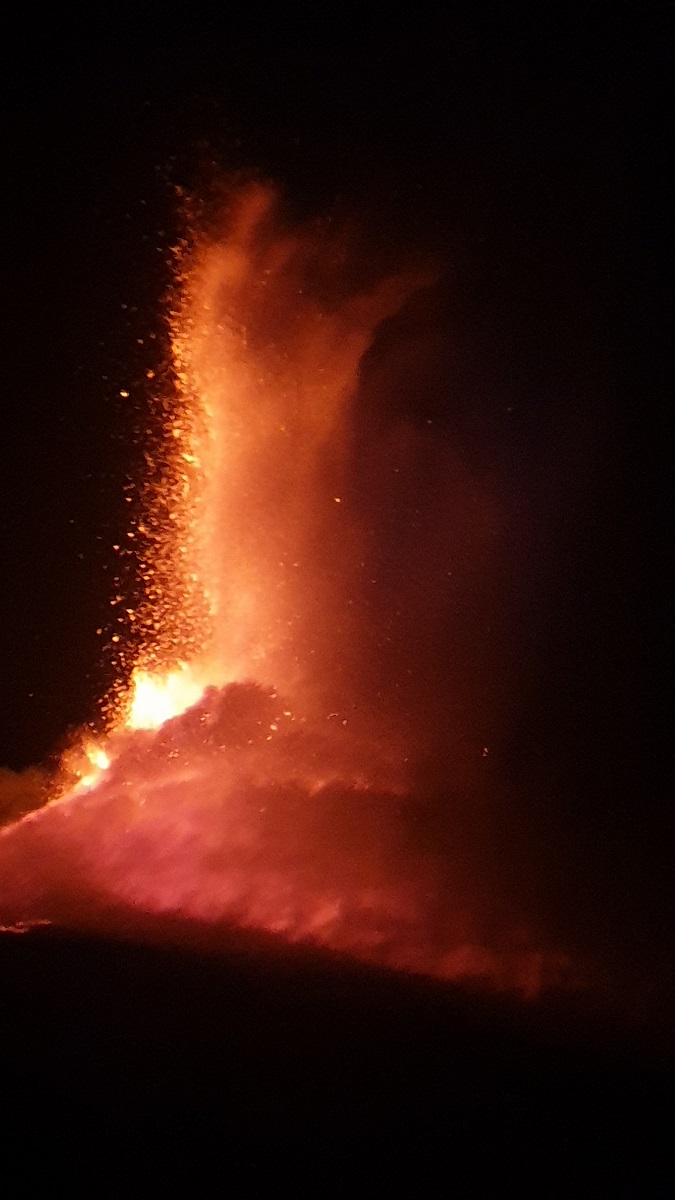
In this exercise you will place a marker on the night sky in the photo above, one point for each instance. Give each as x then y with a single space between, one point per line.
529 158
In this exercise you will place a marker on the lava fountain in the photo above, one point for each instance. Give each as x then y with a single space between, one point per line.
248 776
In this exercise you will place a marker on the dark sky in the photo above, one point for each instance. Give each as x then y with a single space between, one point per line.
529 155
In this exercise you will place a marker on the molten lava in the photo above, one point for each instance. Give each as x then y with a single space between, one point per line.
247 776
155 699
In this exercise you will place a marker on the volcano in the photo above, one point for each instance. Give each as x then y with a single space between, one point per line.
362 848
255 768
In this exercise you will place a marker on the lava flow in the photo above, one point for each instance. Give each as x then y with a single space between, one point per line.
254 773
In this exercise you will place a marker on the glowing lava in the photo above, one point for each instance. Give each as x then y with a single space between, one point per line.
278 803
100 761
158 698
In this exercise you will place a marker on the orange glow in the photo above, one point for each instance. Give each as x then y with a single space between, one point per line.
158 698
83 766
98 758
267 342
247 777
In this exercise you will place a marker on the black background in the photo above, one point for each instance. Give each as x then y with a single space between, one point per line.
528 150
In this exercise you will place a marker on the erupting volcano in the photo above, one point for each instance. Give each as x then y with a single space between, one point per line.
261 753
